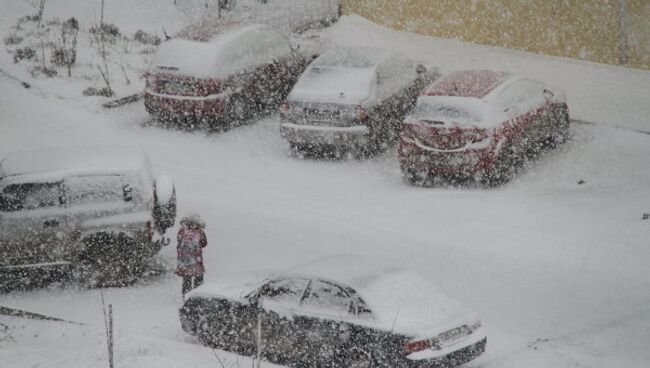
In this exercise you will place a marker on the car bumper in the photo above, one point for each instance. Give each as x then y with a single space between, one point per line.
454 359
469 162
358 135
185 107
34 266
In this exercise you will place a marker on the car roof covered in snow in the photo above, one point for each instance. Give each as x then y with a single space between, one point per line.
59 161
356 57
468 83
205 56
210 28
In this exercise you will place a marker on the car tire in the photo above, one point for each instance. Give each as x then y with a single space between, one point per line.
415 177
105 262
359 359
561 124
504 170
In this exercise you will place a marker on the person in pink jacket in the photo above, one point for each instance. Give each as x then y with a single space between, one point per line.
191 241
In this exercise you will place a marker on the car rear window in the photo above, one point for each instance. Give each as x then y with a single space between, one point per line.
433 111
345 58
31 196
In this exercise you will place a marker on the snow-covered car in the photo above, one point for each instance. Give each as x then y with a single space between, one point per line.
352 98
338 312
96 210
217 74
480 125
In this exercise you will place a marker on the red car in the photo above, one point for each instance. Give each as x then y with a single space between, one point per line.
214 74
480 125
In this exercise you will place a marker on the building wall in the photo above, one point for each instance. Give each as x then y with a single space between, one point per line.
583 29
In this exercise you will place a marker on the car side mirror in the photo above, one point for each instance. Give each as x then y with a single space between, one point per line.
127 193
253 300
420 69
164 203
548 94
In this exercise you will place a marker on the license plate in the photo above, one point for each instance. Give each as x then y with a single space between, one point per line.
322 115
453 334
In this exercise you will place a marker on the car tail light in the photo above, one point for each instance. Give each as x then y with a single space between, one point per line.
415 346
207 87
284 109
149 230
150 81
476 136
362 114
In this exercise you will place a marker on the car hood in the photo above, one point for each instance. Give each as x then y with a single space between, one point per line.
334 85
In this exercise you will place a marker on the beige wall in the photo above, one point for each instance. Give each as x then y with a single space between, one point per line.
583 29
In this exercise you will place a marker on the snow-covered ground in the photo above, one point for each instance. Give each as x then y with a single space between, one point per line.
557 270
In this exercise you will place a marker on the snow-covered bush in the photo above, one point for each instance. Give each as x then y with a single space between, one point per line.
146 38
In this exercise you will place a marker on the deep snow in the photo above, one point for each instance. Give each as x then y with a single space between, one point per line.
557 270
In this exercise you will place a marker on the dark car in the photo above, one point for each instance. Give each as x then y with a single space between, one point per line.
215 75
365 318
480 125
351 99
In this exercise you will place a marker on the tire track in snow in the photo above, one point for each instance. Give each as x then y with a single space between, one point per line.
585 122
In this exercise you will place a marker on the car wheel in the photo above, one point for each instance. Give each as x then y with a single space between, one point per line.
503 170
237 111
359 359
415 177
109 260
561 124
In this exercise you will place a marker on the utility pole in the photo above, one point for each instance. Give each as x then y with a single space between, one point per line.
622 32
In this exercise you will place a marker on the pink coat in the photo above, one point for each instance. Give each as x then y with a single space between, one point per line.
190 251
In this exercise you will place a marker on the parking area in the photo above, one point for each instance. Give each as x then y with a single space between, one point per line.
555 262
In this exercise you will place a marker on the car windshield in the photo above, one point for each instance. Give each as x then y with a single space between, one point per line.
30 196
346 58
286 291
440 111
328 297
99 188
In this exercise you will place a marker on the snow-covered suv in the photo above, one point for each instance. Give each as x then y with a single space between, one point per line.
97 211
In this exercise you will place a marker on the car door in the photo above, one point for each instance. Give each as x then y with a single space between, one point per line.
513 122
224 323
535 112
277 52
399 86
277 303
243 81
34 215
324 319
93 197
